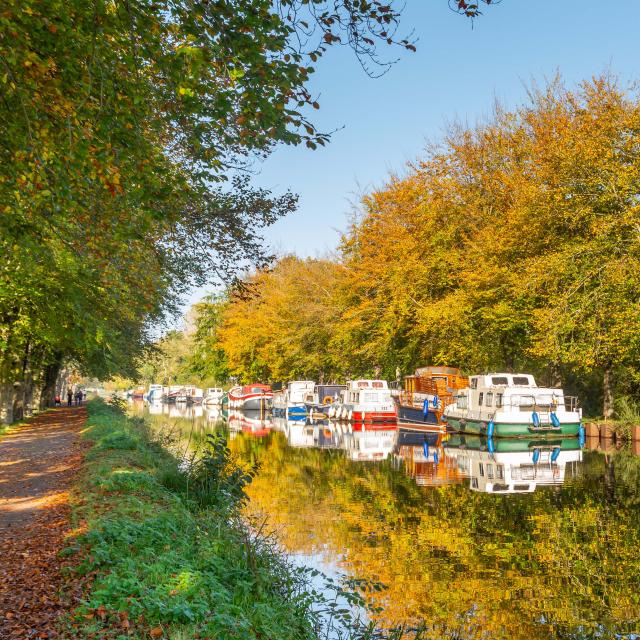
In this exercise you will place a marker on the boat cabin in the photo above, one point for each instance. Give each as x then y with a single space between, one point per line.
430 382
511 392
367 392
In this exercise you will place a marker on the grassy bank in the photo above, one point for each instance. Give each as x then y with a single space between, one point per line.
163 551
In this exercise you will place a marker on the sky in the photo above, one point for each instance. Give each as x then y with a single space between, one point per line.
457 73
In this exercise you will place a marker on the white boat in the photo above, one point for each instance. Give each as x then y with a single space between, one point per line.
290 402
155 393
512 405
365 401
213 396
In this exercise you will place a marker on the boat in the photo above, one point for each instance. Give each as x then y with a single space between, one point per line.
511 405
155 393
508 465
170 394
137 393
290 402
252 397
194 395
213 396
322 397
426 393
365 401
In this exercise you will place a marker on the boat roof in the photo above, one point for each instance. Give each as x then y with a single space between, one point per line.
431 371
367 384
503 380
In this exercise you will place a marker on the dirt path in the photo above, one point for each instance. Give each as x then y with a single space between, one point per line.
37 464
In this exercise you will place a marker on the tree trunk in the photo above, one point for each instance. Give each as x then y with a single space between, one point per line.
6 403
50 378
608 410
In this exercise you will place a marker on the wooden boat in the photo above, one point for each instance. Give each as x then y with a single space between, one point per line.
510 465
365 401
290 402
511 405
426 393
137 393
251 397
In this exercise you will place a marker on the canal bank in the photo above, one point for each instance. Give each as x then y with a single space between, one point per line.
163 552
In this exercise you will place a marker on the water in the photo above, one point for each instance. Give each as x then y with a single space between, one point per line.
527 541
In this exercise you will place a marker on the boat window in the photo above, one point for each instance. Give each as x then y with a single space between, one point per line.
489 399
474 483
500 471
474 383
362 384
370 397
378 384
521 487
500 487
481 468
500 380
256 390
521 380
499 399
489 471
480 398
462 402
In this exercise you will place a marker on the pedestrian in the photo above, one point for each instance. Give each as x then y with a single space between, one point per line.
79 397
69 397
57 400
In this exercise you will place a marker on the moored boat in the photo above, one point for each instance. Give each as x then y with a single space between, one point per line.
322 397
155 393
213 396
290 402
426 393
252 397
511 405
365 401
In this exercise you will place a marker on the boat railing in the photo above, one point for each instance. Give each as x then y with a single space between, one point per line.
540 402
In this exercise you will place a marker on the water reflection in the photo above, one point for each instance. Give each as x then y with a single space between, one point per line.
471 562
513 466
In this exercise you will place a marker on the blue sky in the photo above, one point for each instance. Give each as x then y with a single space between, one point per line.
456 74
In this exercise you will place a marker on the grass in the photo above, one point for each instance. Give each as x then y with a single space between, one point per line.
155 560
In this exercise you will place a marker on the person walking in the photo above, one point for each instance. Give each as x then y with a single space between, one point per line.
69 397
78 397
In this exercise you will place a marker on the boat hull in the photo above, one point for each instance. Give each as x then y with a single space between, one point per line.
412 415
512 430
508 445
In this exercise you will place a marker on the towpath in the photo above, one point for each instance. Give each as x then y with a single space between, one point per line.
38 462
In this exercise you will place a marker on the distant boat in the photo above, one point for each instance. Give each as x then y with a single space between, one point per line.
426 393
510 465
213 396
137 393
155 393
290 402
365 401
252 397
511 405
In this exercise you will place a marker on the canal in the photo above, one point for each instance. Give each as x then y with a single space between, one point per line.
514 540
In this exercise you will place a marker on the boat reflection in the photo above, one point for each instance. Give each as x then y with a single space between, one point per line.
422 453
513 466
253 423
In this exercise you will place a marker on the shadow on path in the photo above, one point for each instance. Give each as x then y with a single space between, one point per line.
38 462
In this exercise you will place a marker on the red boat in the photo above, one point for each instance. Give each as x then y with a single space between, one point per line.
365 401
251 397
